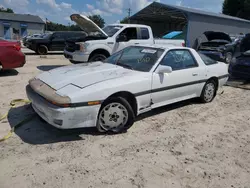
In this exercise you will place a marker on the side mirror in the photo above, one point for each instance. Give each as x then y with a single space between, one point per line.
121 38
164 69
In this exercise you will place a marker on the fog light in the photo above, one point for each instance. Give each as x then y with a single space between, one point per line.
58 121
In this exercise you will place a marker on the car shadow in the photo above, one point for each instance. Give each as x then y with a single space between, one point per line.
48 67
10 72
37 132
35 54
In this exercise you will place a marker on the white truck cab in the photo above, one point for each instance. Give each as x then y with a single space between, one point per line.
101 43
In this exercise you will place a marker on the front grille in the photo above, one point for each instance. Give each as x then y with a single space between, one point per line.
72 47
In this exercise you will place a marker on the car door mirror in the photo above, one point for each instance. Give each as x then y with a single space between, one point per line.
121 38
164 69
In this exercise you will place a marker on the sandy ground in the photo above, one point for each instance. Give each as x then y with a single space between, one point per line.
185 145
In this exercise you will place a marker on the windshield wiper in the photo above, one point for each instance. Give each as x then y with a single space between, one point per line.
125 65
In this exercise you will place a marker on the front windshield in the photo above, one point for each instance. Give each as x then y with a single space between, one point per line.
136 58
111 29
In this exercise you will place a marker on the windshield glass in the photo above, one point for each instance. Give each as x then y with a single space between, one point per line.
136 58
111 29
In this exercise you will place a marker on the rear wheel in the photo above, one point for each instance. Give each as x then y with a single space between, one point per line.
42 50
208 92
116 115
97 57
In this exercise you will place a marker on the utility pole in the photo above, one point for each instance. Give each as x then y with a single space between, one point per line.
46 28
129 14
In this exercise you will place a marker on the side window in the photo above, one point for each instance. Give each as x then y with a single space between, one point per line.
144 33
179 59
130 33
207 60
57 36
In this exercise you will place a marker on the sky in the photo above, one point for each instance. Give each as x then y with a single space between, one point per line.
111 10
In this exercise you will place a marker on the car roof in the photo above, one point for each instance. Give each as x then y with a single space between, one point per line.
162 46
129 25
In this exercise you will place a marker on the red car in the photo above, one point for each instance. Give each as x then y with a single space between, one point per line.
11 55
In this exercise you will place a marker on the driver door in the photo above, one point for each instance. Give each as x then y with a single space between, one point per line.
131 34
184 82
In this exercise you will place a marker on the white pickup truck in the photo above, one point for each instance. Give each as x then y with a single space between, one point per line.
101 43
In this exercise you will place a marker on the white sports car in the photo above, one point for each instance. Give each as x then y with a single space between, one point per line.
110 94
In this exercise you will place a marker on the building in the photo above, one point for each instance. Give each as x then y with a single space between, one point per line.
14 26
165 18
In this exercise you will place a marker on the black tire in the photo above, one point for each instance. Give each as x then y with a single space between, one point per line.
75 62
206 94
42 50
97 57
130 113
228 57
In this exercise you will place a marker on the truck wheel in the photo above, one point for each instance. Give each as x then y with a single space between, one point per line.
42 50
116 115
97 57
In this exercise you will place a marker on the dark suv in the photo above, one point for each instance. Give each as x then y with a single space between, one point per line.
53 42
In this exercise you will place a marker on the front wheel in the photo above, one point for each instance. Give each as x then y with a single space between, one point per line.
97 57
116 115
208 92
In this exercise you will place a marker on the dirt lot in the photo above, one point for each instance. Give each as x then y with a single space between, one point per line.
183 145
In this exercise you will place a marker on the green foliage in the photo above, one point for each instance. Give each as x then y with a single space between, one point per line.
8 10
60 27
124 20
98 20
237 8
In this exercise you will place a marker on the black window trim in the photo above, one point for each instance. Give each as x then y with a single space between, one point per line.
197 64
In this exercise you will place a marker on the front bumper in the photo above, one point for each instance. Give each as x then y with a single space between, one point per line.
63 118
76 56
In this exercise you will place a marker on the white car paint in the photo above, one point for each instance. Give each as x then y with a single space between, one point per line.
97 81
109 44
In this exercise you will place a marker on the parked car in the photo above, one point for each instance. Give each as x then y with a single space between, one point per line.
219 46
240 66
53 42
174 35
11 55
101 43
137 79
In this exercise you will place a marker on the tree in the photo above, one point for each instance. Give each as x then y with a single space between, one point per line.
237 8
124 20
8 10
98 20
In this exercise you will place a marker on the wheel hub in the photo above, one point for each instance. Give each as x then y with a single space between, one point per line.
113 116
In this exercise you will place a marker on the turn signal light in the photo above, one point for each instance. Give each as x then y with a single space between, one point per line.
17 47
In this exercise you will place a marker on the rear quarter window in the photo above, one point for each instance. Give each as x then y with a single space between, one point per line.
207 60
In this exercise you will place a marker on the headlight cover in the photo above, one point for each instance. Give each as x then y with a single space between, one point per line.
49 93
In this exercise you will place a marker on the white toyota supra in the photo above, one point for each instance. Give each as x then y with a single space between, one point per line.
110 94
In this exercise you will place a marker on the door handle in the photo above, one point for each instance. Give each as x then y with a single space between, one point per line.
195 74
137 43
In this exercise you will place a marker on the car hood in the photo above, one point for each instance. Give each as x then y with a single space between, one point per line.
87 24
82 75
212 35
